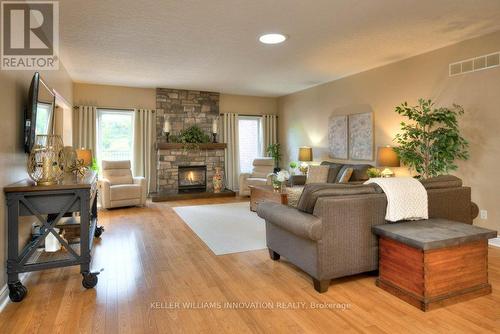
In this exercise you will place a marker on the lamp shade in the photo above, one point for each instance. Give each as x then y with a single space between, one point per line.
305 154
85 155
387 157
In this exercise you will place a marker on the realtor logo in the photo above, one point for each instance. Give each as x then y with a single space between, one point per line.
30 35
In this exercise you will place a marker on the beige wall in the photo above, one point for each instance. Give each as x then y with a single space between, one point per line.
114 96
248 105
304 115
131 97
13 96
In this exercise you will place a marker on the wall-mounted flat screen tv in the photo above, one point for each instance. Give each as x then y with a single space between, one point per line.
39 116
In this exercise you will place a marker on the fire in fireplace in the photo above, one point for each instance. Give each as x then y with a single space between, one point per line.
192 178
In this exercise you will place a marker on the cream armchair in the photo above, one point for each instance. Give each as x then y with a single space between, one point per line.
260 175
118 188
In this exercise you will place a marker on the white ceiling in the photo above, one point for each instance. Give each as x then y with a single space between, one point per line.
213 44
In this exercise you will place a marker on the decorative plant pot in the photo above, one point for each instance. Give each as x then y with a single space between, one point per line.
217 180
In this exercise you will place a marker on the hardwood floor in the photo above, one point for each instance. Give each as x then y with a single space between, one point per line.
150 258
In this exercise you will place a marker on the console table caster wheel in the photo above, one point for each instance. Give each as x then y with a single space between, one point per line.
17 292
89 280
98 231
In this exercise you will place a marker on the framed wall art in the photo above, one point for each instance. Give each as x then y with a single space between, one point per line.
338 136
361 136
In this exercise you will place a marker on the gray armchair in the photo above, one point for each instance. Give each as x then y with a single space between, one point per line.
118 188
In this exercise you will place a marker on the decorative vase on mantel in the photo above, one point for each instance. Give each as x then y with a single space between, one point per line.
217 180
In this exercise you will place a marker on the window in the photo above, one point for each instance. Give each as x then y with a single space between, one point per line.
43 114
115 135
250 141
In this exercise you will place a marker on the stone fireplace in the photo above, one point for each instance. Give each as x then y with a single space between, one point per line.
186 108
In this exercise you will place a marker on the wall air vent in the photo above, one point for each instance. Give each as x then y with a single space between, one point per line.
475 64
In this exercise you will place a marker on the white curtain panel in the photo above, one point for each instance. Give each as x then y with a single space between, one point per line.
269 131
230 136
84 128
144 146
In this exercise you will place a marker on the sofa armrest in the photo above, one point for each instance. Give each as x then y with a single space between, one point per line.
348 244
294 221
105 193
474 210
243 184
140 180
297 180
244 176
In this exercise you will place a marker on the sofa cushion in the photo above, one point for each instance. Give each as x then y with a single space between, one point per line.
116 164
261 171
293 194
346 175
117 172
312 192
358 172
118 176
333 171
317 174
125 192
442 181
263 162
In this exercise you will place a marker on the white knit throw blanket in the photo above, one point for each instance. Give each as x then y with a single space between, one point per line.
406 198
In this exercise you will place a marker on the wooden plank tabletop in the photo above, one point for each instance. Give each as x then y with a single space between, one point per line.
70 181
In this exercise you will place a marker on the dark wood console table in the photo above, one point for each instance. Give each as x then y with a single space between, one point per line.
51 205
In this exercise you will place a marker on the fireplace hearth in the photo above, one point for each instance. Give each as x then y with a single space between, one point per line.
192 179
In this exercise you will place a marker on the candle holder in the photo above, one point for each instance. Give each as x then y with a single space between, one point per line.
214 136
45 160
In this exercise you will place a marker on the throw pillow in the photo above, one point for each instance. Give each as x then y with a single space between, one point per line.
317 174
346 175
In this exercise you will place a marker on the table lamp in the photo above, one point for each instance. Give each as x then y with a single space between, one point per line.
305 155
387 157
85 155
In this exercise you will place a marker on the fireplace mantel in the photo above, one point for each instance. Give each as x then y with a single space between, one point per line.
179 146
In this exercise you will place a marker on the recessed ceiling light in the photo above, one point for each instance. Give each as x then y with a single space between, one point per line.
272 38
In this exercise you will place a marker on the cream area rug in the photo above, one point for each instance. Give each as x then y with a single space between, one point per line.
225 228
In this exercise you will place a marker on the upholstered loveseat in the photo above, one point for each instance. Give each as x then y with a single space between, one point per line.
328 234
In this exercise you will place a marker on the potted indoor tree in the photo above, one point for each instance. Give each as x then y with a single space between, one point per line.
430 142
274 151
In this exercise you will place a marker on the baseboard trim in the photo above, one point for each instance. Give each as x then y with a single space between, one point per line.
495 242
4 292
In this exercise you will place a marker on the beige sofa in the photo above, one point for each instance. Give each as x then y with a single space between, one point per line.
260 175
118 188
328 234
